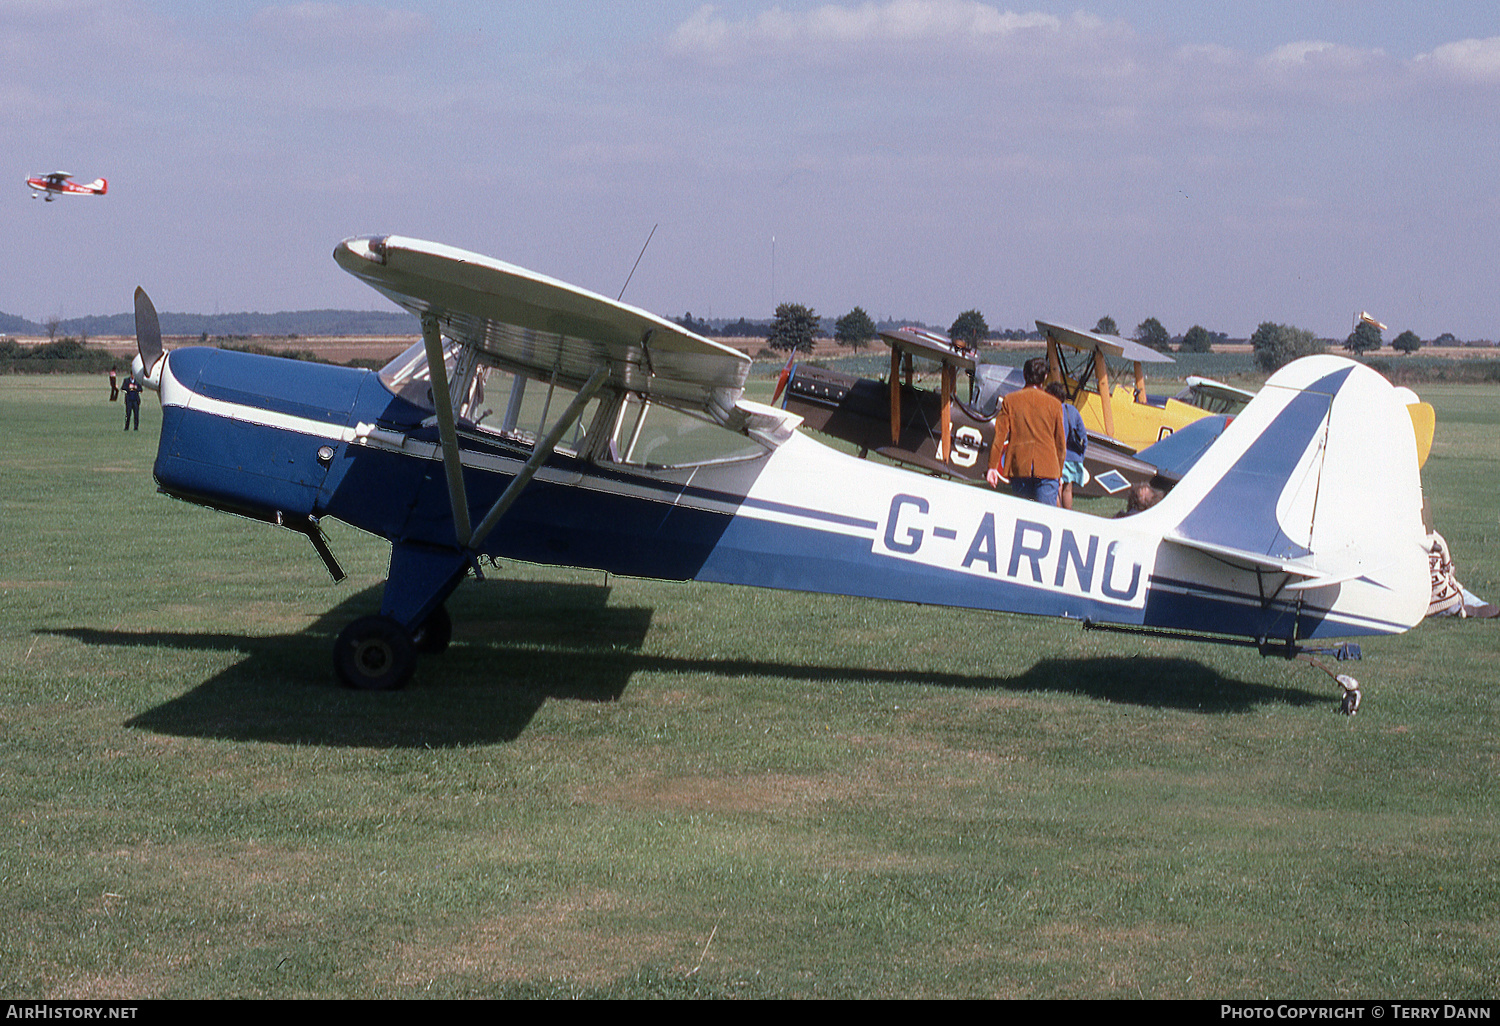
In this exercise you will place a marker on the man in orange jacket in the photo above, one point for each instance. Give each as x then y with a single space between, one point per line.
1030 444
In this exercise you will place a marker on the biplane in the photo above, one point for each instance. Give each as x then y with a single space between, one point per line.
59 183
1129 415
940 432
539 422
937 431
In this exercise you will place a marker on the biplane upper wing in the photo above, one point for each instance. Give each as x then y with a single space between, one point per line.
1217 389
541 327
1110 345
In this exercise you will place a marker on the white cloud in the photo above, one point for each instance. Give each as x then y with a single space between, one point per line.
871 25
1316 55
1468 60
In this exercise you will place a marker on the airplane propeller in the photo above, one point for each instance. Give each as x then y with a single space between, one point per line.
146 366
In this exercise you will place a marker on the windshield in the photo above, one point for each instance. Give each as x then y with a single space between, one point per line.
407 375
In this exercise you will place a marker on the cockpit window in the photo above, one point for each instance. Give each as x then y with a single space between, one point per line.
634 430
523 409
652 434
488 399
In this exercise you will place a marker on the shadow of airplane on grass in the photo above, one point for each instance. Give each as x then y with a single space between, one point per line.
519 644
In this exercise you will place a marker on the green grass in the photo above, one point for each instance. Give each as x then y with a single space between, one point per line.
623 788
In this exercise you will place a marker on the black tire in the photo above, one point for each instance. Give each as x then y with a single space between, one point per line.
432 636
374 653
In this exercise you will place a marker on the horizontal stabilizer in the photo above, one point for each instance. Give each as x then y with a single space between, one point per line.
1256 560
1312 576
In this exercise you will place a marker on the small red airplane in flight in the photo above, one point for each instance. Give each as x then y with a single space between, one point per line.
58 184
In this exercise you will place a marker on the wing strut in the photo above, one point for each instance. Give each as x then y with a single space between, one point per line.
539 456
442 401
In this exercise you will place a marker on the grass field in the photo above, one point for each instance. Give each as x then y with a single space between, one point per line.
633 789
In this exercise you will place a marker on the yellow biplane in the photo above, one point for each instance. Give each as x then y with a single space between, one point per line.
1080 360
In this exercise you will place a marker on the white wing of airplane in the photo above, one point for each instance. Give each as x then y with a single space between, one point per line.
539 326
1217 389
1110 345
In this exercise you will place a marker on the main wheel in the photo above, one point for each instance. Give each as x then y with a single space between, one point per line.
374 653
432 636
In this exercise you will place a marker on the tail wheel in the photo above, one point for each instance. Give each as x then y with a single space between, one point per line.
374 653
432 636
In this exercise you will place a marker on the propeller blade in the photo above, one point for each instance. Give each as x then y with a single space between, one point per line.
147 330
146 367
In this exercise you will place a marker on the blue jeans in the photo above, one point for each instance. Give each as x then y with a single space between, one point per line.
1037 489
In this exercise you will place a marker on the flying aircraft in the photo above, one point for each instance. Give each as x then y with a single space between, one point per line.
59 183
539 422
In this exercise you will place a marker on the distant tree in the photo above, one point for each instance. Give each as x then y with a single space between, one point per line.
1276 345
52 324
696 327
1364 339
745 329
855 329
970 329
1150 333
1445 339
1197 340
794 329
1407 342
1106 326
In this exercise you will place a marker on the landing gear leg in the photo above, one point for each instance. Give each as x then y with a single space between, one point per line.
374 653
379 653
432 635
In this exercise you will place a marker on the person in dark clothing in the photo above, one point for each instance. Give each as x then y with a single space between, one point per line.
132 403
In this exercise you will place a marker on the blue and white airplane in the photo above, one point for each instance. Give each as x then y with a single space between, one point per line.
539 422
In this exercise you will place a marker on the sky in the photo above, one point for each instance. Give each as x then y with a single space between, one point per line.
1293 161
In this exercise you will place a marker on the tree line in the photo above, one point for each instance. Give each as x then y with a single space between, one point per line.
796 326
292 324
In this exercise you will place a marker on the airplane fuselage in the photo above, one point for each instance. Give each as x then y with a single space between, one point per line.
286 441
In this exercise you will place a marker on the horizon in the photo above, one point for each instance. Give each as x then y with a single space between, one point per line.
63 327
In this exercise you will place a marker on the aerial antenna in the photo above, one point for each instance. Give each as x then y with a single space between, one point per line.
637 262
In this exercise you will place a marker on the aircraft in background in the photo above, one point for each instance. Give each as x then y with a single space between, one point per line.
937 432
940 432
59 183
540 422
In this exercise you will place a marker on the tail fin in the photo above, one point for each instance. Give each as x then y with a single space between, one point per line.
1313 493
102 184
